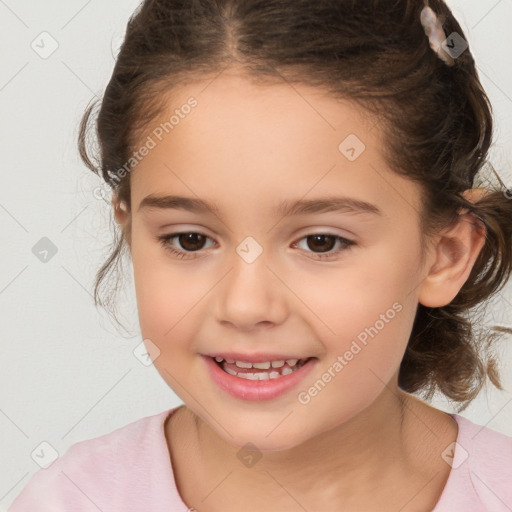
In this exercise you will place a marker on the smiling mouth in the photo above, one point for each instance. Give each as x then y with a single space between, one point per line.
267 370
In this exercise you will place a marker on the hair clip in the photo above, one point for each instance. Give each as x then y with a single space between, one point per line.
435 33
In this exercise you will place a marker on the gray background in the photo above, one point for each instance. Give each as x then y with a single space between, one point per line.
67 373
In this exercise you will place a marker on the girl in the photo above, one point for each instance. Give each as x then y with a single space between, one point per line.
298 186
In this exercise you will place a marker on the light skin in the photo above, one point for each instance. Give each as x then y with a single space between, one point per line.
246 148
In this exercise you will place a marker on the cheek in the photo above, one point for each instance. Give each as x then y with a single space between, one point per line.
163 297
365 314
362 358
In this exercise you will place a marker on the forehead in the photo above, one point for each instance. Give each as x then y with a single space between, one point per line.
243 141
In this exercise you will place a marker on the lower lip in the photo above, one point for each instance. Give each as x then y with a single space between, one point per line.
257 390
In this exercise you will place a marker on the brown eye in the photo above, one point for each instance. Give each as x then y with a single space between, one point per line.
322 243
191 241
188 244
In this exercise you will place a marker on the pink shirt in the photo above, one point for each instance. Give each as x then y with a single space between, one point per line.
129 470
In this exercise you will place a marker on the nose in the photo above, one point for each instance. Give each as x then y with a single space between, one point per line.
251 296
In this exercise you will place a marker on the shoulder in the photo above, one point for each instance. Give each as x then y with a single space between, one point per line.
94 474
481 473
489 453
482 438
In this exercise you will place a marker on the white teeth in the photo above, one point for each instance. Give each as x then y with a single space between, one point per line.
242 364
265 365
263 375
262 366
259 375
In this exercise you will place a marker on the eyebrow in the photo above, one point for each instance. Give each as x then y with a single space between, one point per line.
284 209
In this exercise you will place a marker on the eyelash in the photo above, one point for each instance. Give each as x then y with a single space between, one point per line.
165 241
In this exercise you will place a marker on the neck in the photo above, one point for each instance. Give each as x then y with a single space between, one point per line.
350 460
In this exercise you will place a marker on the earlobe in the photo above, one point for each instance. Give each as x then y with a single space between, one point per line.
454 257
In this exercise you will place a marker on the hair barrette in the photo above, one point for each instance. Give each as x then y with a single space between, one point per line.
435 33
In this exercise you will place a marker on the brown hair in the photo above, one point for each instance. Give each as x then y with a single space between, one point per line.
437 118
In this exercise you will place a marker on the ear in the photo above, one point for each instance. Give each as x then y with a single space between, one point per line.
123 218
120 211
454 255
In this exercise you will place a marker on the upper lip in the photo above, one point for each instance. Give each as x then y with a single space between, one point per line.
256 357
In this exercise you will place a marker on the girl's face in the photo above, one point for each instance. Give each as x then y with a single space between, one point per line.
257 281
